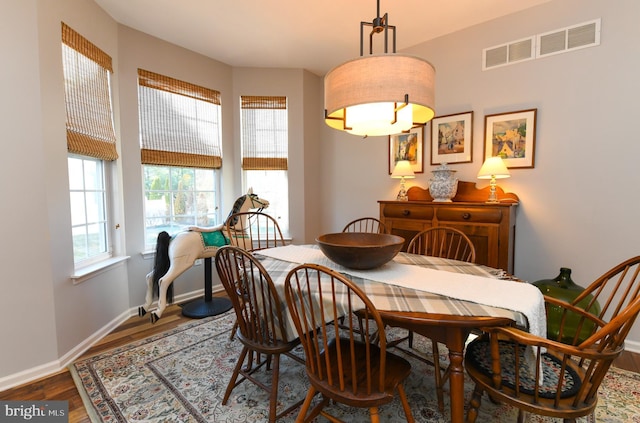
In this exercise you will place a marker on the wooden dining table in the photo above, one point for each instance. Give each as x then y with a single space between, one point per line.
442 318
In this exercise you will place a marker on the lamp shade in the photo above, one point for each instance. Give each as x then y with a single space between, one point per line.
493 167
381 94
403 169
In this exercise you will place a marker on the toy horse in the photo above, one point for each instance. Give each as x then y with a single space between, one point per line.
175 255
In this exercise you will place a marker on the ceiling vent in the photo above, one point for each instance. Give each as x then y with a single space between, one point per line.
571 38
553 42
506 54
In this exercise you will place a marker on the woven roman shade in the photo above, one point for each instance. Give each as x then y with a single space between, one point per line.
179 122
87 69
264 133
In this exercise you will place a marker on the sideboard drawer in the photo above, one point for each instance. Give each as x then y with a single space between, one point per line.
471 214
407 211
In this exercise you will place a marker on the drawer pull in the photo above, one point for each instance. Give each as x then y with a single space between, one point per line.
406 212
466 216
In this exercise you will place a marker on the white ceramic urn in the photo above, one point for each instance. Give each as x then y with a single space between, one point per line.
443 185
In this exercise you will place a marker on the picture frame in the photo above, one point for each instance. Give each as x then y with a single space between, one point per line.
407 146
452 138
512 136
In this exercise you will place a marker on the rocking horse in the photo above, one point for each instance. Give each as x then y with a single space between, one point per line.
176 254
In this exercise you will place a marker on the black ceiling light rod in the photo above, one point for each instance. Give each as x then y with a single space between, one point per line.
378 25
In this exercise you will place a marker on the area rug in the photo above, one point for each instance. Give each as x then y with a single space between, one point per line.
181 376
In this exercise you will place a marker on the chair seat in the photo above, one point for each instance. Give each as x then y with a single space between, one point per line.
397 370
478 357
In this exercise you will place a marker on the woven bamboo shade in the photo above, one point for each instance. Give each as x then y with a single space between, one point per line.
264 133
179 122
87 69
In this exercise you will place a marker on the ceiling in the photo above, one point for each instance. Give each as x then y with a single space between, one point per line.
313 35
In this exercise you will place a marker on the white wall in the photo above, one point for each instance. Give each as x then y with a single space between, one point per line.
579 206
26 257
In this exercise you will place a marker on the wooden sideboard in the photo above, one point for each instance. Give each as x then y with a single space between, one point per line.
490 226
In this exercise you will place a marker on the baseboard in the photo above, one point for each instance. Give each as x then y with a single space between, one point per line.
633 346
55 366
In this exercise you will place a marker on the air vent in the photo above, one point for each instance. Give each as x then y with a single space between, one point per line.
571 38
562 40
507 54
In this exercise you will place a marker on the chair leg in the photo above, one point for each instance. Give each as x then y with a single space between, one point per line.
474 404
273 398
249 365
234 377
373 414
305 407
405 404
438 374
233 330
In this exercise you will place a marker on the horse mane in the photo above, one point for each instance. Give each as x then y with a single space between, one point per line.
236 208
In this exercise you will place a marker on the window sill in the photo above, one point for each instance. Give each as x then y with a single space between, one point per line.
89 272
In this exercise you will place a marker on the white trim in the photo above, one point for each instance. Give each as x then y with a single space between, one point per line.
93 270
632 346
55 366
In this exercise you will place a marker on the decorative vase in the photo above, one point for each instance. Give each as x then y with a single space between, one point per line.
444 184
564 288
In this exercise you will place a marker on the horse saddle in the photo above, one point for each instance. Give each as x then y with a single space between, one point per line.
212 236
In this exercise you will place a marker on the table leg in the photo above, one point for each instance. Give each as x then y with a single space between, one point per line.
455 343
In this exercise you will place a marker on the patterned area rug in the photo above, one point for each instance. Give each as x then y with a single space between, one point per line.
181 376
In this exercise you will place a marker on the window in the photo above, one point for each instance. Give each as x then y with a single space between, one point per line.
265 146
181 153
177 197
88 209
91 145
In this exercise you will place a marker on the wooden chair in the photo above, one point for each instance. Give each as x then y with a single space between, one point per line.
572 371
365 224
253 231
340 366
260 322
447 243
443 242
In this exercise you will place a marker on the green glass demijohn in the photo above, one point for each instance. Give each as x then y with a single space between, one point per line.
563 288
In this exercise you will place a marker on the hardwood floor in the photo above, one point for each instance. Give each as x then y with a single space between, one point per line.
60 386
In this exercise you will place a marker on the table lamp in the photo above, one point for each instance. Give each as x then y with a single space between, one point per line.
402 170
493 168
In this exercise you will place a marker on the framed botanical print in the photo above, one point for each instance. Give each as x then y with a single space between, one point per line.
511 136
452 138
407 146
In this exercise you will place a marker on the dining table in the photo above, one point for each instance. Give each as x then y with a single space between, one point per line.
442 299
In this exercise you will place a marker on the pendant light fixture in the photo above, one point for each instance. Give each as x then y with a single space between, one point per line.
379 94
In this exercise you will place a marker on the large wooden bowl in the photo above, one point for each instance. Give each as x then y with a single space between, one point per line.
360 250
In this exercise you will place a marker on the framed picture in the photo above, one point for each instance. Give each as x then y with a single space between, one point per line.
407 146
452 138
511 136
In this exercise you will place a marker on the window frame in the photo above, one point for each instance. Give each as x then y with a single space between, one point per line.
150 237
270 156
107 252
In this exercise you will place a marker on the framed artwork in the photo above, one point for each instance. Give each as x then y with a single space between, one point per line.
407 146
511 136
452 138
